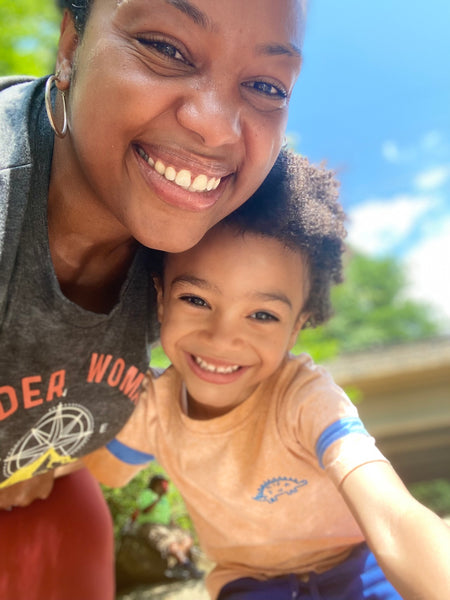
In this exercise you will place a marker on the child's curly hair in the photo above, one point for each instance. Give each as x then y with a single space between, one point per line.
298 205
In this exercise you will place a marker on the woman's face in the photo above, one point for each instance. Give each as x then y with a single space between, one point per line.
177 109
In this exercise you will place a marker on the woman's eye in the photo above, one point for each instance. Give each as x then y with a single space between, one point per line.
262 315
164 48
195 300
267 89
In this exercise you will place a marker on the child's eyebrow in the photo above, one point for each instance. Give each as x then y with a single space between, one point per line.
274 296
193 280
207 285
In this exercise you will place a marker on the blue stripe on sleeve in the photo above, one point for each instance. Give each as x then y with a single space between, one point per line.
336 431
128 455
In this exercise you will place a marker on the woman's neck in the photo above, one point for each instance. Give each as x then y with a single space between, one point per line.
91 254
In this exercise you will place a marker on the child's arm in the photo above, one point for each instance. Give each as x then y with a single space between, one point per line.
118 462
411 543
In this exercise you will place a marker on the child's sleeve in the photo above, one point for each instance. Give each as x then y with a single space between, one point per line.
327 425
131 450
345 445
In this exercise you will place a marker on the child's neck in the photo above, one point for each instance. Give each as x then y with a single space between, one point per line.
203 412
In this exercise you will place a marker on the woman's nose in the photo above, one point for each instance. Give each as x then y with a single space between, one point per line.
213 115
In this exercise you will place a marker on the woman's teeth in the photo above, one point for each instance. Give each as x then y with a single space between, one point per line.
212 368
183 178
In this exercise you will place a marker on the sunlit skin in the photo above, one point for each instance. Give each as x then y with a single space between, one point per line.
230 310
202 87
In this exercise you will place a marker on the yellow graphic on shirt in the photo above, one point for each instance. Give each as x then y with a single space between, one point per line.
53 441
51 459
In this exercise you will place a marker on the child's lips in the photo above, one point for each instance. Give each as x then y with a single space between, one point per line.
215 371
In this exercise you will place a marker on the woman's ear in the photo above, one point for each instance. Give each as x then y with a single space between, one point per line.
67 46
157 282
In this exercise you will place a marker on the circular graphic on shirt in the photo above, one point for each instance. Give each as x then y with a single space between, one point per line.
53 441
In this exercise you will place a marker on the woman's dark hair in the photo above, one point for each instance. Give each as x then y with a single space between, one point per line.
80 12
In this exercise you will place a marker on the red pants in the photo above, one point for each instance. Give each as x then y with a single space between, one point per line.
61 548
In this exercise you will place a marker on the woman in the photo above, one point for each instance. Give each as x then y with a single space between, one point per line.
168 114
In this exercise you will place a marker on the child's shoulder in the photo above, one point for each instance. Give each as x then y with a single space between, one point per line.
301 371
302 384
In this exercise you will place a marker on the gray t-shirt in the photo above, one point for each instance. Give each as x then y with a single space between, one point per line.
68 377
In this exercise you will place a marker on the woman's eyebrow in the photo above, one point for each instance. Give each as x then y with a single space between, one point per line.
202 19
280 49
194 13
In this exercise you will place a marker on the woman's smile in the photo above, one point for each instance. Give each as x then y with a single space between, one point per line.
182 182
193 110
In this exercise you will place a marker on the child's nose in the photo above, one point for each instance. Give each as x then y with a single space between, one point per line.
224 331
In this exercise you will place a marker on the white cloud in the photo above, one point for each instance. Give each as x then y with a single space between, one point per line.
432 140
390 151
431 144
433 178
428 266
377 225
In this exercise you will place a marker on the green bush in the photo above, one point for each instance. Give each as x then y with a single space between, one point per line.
122 501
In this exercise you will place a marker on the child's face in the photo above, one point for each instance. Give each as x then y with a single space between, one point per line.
230 309
170 99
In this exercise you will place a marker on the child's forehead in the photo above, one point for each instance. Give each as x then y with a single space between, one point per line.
225 250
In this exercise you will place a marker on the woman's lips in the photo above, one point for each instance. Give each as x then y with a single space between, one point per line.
183 177
181 188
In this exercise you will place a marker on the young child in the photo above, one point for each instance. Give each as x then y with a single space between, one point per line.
287 491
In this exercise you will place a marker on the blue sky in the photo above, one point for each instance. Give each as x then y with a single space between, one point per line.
373 101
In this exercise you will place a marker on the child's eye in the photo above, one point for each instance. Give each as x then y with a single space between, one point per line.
166 49
262 315
195 300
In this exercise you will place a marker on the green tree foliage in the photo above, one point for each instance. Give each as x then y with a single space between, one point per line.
28 37
434 494
370 309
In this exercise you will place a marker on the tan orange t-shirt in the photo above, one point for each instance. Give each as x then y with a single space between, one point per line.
260 482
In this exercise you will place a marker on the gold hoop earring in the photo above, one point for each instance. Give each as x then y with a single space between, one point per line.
48 106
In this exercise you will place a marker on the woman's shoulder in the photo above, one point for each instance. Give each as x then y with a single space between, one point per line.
17 99
12 80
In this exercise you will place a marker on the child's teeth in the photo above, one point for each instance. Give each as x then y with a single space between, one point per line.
212 369
183 178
